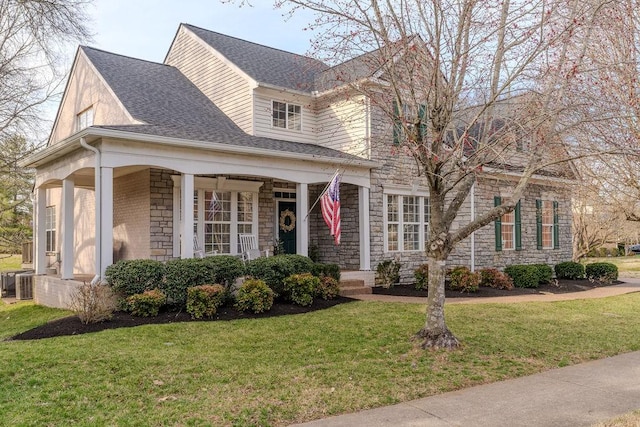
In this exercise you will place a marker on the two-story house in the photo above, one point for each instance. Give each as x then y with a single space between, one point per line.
157 161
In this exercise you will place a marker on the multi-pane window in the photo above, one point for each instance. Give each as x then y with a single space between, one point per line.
547 224
286 116
220 215
50 228
508 223
85 119
407 221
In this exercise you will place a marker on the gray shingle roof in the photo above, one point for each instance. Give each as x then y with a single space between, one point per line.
265 64
171 106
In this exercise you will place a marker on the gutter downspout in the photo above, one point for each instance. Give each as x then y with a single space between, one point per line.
473 235
98 195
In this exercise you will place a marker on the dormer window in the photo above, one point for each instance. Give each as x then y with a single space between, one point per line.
286 116
85 119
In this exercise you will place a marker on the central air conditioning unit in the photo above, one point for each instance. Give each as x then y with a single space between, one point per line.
24 286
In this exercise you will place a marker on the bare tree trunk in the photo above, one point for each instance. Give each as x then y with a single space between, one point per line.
435 332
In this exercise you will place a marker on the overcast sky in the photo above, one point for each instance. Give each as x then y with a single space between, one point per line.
145 28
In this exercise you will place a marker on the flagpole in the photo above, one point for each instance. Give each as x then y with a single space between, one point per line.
326 187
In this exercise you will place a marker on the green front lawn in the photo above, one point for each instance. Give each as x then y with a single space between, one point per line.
10 262
289 369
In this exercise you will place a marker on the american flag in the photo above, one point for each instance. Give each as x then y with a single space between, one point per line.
330 203
214 206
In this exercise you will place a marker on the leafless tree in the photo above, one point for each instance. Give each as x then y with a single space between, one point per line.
33 37
466 84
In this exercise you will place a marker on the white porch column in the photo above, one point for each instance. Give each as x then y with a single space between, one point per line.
364 228
302 226
67 232
40 234
186 202
106 205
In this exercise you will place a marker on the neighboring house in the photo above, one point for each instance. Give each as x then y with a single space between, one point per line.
230 137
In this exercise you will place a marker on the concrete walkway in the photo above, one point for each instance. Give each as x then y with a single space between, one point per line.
579 395
630 285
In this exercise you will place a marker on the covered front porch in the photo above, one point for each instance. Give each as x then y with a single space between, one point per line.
120 200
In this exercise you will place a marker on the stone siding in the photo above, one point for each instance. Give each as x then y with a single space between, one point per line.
161 215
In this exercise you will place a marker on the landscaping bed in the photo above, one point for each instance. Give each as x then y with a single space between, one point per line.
71 325
555 287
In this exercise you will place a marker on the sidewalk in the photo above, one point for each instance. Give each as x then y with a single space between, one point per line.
630 285
579 395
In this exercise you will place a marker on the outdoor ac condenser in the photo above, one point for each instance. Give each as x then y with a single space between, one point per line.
24 286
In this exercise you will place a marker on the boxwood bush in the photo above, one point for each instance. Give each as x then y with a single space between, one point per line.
203 301
545 273
224 269
569 270
328 288
273 270
181 274
328 270
301 288
130 277
603 271
255 296
524 276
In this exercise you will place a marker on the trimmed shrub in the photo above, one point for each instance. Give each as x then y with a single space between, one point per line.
602 271
300 288
322 270
463 280
494 278
328 288
523 276
181 274
254 295
569 270
388 272
146 304
421 275
93 303
130 277
545 273
224 269
204 300
273 270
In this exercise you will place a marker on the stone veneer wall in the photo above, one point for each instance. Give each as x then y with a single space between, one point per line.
161 214
347 254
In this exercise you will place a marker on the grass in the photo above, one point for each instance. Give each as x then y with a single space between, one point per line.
10 262
628 420
293 368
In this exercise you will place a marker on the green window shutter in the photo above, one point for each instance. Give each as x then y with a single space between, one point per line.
422 112
518 227
539 222
556 229
397 125
498 224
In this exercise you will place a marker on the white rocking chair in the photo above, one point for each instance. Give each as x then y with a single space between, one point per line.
198 251
249 247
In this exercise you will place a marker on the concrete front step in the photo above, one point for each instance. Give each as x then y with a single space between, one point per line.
353 287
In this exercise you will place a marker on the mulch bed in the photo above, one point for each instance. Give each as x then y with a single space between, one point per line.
556 287
72 326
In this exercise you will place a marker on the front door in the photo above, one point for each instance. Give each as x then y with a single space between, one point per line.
287 224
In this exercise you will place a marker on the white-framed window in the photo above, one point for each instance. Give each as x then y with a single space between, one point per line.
50 229
547 225
84 119
406 222
508 227
286 116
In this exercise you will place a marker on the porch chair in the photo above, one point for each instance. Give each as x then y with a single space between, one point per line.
249 247
198 251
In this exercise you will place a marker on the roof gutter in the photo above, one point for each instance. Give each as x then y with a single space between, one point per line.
58 150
